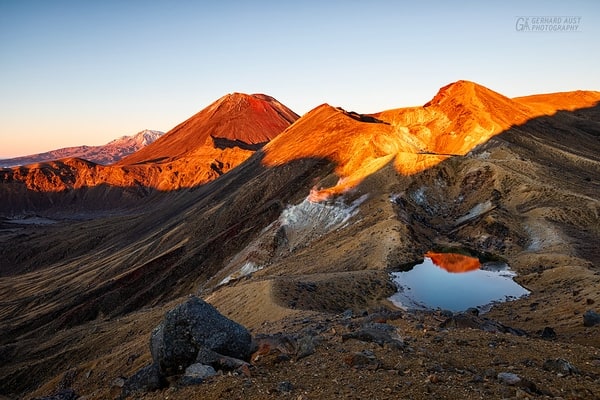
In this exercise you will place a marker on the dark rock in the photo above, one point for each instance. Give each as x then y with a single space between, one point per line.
446 313
548 333
591 318
67 380
146 379
560 366
464 320
285 387
190 327
347 314
489 373
472 311
195 374
305 346
531 388
63 394
383 316
376 333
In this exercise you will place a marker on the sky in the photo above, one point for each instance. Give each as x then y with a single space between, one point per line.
87 72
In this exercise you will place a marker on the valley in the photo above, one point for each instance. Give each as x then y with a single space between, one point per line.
293 225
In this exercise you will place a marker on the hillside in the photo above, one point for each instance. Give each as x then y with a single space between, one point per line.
195 152
300 240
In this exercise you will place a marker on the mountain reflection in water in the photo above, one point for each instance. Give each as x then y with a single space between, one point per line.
453 262
454 282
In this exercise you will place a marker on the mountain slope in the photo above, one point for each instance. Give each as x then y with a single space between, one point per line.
105 154
199 150
83 296
235 120
460 117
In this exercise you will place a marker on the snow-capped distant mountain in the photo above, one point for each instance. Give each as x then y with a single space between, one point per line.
105 154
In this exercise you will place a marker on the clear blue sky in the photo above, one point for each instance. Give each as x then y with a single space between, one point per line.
86 72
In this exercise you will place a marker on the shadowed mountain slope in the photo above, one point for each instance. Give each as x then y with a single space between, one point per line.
199 150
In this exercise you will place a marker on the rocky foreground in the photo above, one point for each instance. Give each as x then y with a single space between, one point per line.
196 353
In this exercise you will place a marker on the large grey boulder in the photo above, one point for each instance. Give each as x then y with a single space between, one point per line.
194 326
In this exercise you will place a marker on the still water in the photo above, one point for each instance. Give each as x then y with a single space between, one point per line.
455 282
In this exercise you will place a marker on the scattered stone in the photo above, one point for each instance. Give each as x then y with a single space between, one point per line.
531 388
68 379
245 370
377 333
589 302
464 320
218 361
383 314
348 314
146 379
285 387
521 394
364 358
63 394
560 366
190 327
196 374
591 318
446 313
489 373
132 358
472 311
509 378
548 333
529 363
119 382
305 346
277 343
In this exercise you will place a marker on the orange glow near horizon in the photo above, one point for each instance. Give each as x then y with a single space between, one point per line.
453 262
410 140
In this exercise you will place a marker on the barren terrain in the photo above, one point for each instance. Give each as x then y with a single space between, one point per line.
514 179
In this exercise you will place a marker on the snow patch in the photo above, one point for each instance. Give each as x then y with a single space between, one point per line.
247 269
297 226
318 217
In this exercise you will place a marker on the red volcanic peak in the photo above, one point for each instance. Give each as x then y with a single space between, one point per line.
197 151
247 121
